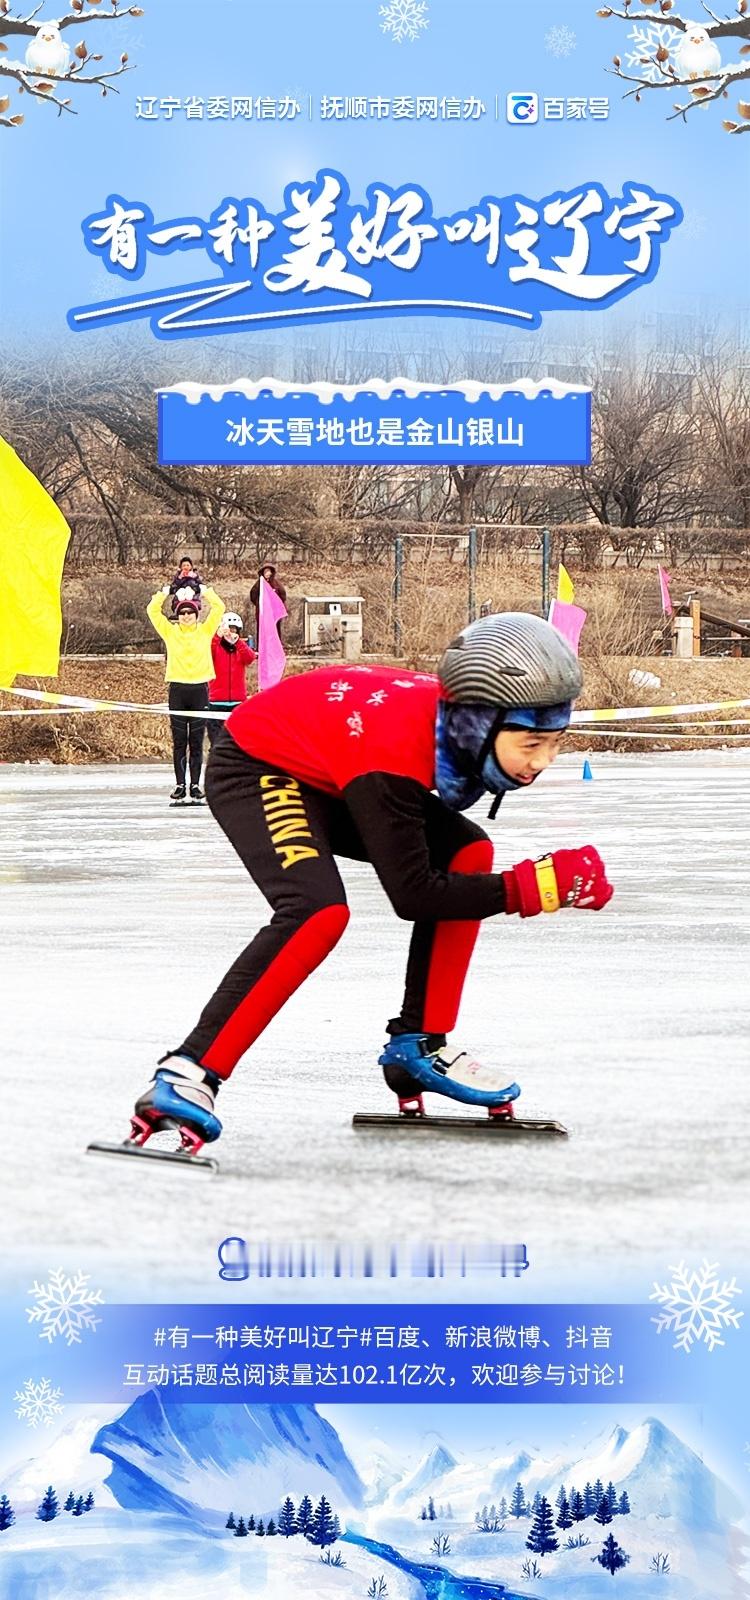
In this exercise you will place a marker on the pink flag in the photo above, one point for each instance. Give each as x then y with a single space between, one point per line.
271 657
666 599
569 620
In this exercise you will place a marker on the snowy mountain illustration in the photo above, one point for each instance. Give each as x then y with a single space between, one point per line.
163 1480
656 1468
198 1459
436 1466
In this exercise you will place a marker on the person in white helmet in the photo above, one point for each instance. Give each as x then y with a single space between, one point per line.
344 761
231 657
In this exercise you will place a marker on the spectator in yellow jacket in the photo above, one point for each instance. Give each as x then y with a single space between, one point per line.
188 673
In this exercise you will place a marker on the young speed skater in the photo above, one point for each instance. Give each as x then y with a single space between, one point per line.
346 762
188 672
231 658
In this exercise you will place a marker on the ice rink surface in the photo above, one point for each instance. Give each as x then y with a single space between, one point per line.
631 1026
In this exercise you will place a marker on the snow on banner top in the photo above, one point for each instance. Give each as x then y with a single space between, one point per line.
327 256
472 389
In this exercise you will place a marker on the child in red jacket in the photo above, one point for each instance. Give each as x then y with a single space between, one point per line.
344 761
231 658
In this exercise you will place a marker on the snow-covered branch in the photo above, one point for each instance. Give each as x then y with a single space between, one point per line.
692 64
48 64
40 89
81 16
719 28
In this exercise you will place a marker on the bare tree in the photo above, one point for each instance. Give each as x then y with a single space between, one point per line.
645 462
722 385
671 69
39 77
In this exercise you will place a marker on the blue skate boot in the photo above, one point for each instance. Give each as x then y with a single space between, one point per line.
413 1062
181 1095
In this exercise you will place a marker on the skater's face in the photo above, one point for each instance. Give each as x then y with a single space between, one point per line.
523 754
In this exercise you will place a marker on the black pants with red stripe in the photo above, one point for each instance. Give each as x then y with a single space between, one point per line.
287 835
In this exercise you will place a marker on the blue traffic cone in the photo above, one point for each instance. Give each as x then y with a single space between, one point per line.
587 773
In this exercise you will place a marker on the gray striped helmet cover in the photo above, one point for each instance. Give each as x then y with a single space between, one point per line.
511 659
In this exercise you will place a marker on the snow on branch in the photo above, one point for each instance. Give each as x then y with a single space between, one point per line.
81 15
48 63
718 28
678 54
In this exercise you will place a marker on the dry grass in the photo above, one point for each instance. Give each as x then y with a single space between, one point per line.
624 619
126 736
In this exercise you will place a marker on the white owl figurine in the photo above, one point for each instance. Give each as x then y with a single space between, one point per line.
47 51
697 54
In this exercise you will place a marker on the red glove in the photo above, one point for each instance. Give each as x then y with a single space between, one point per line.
565 878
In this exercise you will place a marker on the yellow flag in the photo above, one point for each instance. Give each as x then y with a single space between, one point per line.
33 540
565 590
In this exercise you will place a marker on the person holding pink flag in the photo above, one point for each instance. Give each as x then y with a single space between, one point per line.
271 655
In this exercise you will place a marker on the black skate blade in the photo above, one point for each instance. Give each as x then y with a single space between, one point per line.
493 1127
180 805
170 1158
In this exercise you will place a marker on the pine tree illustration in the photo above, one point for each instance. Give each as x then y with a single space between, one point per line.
624 1505
287 1519
88 1504
561 1495
541 1537
240 1531
251 1524
230 1522
612 1556
577 1508
322 1529
260 1532
49 1507
271 1528
564 1518
612 1497
518 1502
590 1501
603 1513
431 1509
304 1515
79 1507
70 1502
7 1514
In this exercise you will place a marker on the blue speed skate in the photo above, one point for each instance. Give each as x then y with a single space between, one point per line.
415 1062
181 1095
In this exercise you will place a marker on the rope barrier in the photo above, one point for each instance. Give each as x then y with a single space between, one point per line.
69 702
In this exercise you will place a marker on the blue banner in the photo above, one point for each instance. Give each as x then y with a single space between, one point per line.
507 258
540 424
372 1353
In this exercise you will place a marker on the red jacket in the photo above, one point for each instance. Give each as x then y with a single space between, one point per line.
331 725
229 665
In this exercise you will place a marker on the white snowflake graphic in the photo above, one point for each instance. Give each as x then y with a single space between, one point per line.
38 1402
647 39
560 41
64 1306
696 1306
402 19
